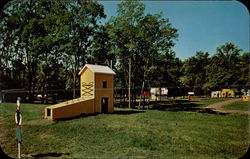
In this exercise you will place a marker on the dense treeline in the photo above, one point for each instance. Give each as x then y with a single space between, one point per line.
45 43
227 68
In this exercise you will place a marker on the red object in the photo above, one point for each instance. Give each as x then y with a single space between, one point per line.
145 93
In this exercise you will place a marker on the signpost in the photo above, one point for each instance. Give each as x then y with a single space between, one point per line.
18 121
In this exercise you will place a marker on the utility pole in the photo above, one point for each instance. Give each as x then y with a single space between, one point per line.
129 84
74 76
74 83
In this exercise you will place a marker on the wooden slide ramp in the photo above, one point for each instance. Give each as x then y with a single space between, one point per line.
70 108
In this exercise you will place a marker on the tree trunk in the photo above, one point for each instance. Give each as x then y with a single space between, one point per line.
141 93
129 85
29 81
143 82
33 79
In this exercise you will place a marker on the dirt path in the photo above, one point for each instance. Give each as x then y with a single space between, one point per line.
218 107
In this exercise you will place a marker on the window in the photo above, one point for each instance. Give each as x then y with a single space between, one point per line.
104 84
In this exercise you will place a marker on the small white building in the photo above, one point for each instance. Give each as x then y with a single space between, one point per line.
215 94
158 93
191 93
153 92
246 92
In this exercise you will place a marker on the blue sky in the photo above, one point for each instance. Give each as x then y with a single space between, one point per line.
202 25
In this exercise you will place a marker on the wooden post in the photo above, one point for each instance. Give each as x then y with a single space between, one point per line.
18 121
19 149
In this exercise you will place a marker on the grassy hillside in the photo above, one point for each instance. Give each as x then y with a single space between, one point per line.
126 134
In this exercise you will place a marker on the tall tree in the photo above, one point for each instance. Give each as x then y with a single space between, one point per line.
44 34
138 39
123 31
20 25
100 52
74 30
244 71
224 67
195 72
157 38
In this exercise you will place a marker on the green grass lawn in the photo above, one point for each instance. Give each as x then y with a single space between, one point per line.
126 134
207 101
240 105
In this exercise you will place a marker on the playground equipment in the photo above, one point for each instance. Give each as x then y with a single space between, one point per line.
97 92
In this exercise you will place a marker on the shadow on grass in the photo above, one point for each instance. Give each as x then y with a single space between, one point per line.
198 110
121 112
75 117
176 106
51 154
146 103
184 106
126 112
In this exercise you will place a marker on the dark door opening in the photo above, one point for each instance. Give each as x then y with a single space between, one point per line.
48 112
104 105
226 94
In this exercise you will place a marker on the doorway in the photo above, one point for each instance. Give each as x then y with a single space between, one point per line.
48 112
104 105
